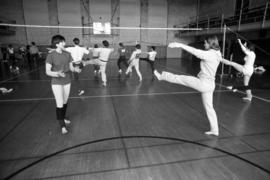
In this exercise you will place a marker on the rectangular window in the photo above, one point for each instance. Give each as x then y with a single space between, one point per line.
102 28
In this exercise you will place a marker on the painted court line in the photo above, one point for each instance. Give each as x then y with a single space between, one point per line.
108 96
19 75
83 79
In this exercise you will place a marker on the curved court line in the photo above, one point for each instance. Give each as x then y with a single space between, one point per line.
143 147
131 137
108 96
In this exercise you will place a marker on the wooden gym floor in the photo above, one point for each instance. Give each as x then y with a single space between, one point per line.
133 131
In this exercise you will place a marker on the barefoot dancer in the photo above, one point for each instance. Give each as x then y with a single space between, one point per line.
205 82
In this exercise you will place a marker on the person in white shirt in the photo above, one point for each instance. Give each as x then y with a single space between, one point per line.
205 82
77 54
151 58
247 69
101 61
134 61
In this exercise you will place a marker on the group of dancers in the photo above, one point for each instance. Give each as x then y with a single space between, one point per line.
61 61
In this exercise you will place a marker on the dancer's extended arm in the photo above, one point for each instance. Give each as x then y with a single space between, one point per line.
244 48
201 54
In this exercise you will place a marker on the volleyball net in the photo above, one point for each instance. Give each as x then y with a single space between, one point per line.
22 34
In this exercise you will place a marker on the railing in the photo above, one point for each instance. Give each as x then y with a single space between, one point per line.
7 30
255 15
258 14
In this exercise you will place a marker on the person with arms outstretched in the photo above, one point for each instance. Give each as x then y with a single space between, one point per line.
247 69
205 80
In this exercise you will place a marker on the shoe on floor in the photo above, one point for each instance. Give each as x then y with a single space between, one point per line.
247 98
67 121
81 92
64 130
7 91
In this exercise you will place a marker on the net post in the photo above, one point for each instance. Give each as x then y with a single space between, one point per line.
223 48
230 67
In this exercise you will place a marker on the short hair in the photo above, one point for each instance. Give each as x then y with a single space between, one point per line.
95 46
33 43
153 47
213 42
76 41
56 39
121 44
105 43
251 46
138 46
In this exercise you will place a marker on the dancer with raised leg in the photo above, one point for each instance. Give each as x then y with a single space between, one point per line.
102 60
247 69
205 81
151 58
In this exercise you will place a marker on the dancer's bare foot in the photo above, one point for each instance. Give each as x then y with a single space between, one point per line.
157 74
247 98
215 133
